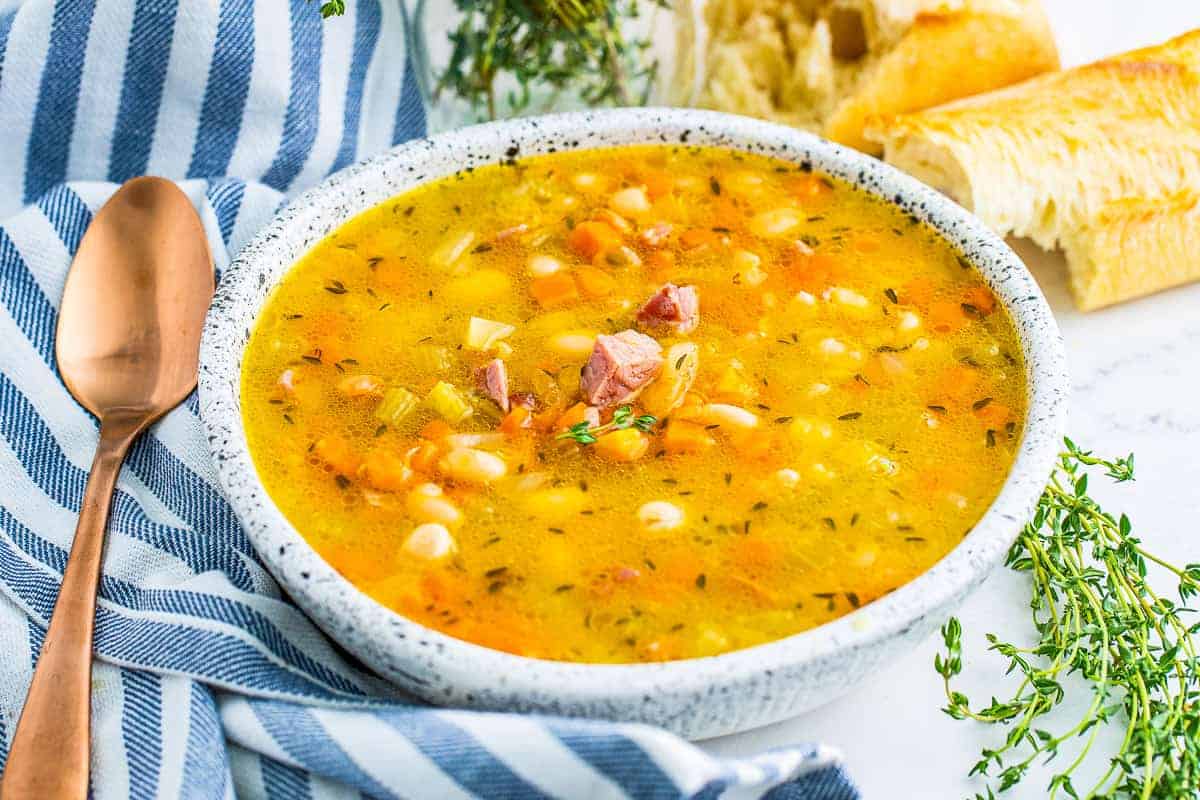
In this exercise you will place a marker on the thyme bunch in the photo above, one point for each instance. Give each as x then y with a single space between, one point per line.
563 44
1097 618
586 433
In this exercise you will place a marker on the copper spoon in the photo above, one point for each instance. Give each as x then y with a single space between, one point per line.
128 343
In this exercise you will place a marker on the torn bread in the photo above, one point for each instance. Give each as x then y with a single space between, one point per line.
827 65
1103 160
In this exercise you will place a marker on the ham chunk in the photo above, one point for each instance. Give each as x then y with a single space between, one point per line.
492 378
675 307
619 367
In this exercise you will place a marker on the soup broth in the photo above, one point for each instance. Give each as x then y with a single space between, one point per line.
632 404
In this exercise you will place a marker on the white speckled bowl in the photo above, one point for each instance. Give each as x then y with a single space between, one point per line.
698 697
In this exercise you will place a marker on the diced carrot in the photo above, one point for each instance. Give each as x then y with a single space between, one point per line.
576 414
554 290
520 417
424 457
385 471
337 453
813 273
591 237
994 414
917 292
436 429
946 316
658 183
758 446
696 237
958 384
981 299
628 444
595 282
682 436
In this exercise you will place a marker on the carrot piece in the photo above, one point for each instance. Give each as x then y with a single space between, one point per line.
658 183
385 471
758 446
917 292
957 384
576 414
994 414
628 444
595 282
520 417
589 238
946 316
696 237
337 453
554 290
813 273
424 457
686 437
436 429
981 299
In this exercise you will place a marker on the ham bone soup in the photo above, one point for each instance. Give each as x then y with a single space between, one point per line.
632 404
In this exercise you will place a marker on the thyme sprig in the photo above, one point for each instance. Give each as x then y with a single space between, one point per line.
1097 618
623 417
561 44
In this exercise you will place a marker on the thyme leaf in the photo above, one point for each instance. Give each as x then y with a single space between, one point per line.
585 433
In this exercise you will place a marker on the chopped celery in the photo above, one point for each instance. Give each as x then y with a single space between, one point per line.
483 334
432 360
396 404
448 402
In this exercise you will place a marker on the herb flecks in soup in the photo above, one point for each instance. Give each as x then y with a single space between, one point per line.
633 404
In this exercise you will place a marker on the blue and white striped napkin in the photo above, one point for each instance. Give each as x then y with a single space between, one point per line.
210 683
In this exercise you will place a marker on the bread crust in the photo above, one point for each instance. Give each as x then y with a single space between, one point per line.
1096 159
829 65
942 57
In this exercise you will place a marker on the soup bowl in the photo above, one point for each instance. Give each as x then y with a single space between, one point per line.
698 697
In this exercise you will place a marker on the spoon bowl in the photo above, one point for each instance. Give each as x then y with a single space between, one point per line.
127 346
129 323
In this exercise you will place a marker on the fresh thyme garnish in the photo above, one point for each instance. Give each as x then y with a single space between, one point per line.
623 417
1098 619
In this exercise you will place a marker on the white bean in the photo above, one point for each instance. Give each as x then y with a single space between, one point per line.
659 515
430 541
472 466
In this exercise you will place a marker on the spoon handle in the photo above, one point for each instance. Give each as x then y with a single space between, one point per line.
50 749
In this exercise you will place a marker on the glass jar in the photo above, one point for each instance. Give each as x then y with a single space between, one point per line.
444 37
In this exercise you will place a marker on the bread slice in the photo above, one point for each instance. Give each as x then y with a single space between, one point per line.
1099 159
827 65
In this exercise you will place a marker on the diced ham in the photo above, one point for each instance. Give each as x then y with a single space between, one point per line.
492 378
676 307
620 365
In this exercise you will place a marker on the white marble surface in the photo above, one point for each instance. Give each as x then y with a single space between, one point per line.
1136 383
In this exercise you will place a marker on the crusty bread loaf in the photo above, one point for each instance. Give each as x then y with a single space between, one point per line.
1103 160
826 65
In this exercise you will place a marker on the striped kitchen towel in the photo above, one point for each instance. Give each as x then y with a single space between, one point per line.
209 682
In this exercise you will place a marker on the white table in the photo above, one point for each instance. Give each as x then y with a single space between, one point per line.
1136 387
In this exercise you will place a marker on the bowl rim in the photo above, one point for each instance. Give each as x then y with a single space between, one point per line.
330 598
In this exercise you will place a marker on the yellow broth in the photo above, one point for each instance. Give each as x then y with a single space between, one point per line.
857 403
